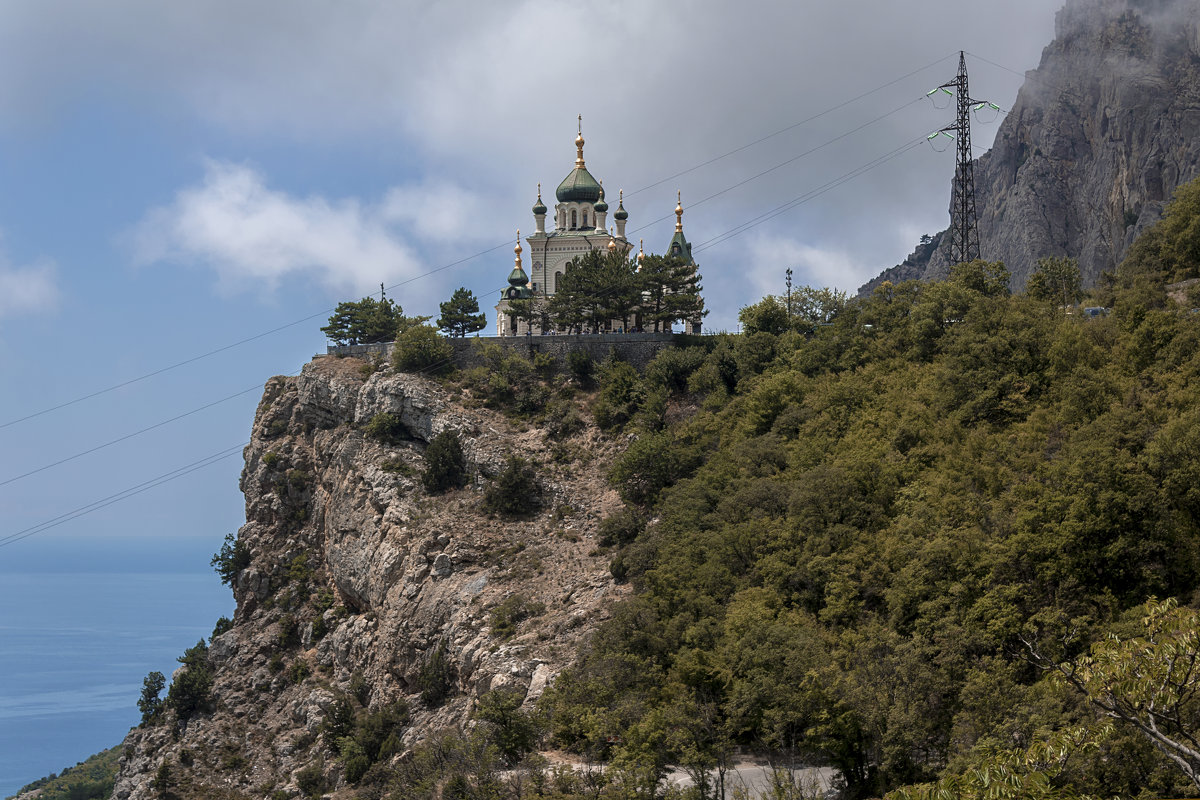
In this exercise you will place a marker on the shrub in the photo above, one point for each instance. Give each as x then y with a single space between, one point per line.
311 779
445 464
437 676
582 367
672 368
289 632
511 612
512 731
514 492
620 398
359 688
620 528
387 428
421 349
563 419
299 670
231 559
224 625
189 692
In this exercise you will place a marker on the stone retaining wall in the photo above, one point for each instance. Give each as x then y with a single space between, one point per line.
639 349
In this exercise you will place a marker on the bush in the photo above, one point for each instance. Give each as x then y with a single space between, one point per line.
672 368
421 349
512 731
514 492
189 692
231 559
511 612
621 528
582 367
224 625
445 463
437 676
620 398
388 428
311 779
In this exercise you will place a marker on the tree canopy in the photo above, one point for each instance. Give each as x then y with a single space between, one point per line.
368 321
460 314
857 531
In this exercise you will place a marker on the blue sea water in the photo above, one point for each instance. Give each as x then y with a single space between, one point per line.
74 648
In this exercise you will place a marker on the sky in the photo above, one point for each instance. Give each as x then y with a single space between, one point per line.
188 189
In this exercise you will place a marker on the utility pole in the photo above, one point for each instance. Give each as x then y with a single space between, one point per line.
964 225
788 281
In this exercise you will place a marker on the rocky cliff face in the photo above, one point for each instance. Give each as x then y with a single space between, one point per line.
357 576
1099 137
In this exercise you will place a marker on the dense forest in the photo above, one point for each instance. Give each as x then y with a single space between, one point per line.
868 541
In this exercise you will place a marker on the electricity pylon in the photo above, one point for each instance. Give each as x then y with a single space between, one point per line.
964 226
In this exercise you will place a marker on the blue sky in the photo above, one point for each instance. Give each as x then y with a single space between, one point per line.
175 177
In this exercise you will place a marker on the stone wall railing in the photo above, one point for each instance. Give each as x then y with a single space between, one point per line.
639 349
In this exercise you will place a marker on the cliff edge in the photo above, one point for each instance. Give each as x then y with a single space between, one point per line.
355 582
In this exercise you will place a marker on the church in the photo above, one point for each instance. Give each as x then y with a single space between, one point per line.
580 226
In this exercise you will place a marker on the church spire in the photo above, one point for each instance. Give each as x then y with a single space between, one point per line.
579 144
679 212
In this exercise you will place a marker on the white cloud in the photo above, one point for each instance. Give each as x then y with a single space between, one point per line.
253 235
770 255
28 289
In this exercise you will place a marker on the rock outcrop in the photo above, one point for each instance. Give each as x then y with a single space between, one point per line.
357 576
1100 135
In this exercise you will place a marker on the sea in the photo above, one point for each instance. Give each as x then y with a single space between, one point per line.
75 647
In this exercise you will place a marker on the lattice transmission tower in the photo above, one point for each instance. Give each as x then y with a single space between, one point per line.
964 226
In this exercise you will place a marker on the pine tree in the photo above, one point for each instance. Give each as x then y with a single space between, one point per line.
460 314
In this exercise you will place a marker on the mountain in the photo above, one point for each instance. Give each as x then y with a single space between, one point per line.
1100 135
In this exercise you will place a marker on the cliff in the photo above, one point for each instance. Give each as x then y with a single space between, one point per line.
1100 135
357 582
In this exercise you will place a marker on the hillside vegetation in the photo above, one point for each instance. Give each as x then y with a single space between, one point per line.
852 551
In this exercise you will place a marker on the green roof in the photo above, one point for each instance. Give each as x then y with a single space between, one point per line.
578 187
679 247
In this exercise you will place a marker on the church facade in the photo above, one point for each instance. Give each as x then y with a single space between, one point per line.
580 225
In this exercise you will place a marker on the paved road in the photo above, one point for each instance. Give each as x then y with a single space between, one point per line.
756 779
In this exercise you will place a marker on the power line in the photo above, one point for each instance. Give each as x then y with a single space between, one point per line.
128 436
782 164
104 502
827 111
310 317
807 196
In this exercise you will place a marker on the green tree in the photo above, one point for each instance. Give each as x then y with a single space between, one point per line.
766 316
1056 280
364 321
510 729
191 688
419 348
149 703
231 559
460 314
514 492
1151 682
445 463
670 292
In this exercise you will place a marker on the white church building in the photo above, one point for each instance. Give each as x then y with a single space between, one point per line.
580 225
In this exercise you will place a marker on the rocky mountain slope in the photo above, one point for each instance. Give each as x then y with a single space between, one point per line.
359 582
1100 135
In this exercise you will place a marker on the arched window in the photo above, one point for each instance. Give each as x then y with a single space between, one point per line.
584 220
557 278
573 219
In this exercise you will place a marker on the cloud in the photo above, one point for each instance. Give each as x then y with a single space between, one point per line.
27 290
812 265
484 95
253 235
